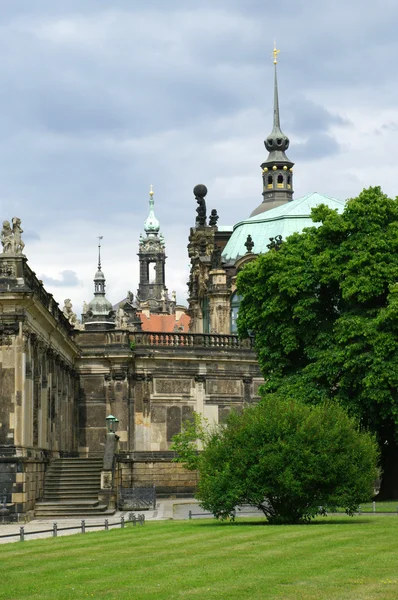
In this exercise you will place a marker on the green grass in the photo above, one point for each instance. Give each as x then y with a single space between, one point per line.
337 558
380 507
387 507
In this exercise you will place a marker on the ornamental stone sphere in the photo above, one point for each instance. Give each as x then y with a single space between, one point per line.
200 190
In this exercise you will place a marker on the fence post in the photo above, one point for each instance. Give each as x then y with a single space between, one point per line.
134 519
121 522
21 534
83 526
55 530
374 507
359 509
106 525
190 515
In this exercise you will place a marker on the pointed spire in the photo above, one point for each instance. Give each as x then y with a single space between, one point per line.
99 251
277 140
277 170
276 99
99 310
99 277
151 224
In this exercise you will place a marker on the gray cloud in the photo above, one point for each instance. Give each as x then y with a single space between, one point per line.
30 236
99 99
67 279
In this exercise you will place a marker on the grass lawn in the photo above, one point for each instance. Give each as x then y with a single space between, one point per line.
336 558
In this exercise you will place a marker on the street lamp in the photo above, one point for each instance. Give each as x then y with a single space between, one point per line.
111 423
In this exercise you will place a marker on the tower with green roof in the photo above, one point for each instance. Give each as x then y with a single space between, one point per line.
152 291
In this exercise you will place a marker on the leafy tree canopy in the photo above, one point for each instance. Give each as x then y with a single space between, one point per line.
324 310
289 459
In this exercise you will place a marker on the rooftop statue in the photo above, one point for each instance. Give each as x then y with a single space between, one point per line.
213 218
200 192
11 239
68 312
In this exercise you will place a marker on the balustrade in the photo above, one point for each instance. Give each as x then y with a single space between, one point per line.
189 340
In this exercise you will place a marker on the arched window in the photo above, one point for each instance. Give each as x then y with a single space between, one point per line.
235 302
206 315
280 181
270 182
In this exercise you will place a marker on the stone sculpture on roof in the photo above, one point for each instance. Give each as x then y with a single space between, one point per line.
11 239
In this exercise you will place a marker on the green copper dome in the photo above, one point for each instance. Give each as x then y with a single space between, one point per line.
283 220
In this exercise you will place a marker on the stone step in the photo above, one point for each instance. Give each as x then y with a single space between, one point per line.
71 488
72 484
89 492
65 468
73 476
66 511
93 493
73 503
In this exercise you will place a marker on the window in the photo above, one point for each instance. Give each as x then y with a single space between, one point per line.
235 302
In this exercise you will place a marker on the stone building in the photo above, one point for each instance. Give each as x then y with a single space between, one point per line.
217 253
60 377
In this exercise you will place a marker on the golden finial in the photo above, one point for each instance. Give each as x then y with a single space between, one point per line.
275 53
151 190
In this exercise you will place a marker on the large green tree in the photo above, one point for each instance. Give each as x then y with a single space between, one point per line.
324 311
289 459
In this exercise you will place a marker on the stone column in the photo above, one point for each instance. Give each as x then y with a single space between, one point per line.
219 302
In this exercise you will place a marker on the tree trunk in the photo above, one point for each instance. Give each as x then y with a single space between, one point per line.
389 464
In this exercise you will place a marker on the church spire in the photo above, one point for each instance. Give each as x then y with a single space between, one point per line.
151 225
99 314
152 291
277 170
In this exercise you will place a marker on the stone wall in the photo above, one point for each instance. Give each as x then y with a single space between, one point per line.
170 479
38 384
21 482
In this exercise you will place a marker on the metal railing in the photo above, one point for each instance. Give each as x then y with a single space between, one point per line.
132 518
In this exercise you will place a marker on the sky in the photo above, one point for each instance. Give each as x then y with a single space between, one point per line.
100 99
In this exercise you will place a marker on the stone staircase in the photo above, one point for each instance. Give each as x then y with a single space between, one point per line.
71 489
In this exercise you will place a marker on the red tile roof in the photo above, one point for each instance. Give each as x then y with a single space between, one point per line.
165 323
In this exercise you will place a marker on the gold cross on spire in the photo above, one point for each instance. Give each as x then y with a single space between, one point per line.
275 53
151 190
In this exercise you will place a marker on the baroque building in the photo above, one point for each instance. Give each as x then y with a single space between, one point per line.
146 360
217 253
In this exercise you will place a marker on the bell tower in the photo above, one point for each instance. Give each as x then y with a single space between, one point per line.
152 291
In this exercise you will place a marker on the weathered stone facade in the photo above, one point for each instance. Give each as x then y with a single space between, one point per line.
38 383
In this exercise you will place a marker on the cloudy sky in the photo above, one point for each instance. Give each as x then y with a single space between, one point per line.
100 99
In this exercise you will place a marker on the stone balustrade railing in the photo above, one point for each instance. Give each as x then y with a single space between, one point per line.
190 340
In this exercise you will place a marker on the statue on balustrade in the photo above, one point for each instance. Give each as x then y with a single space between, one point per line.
11 239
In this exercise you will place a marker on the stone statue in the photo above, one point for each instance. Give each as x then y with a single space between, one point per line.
216 258
130 298
200 192
85 307
275 243
68 312
213 218
249 243
17 232
7 238
173 296
121 320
